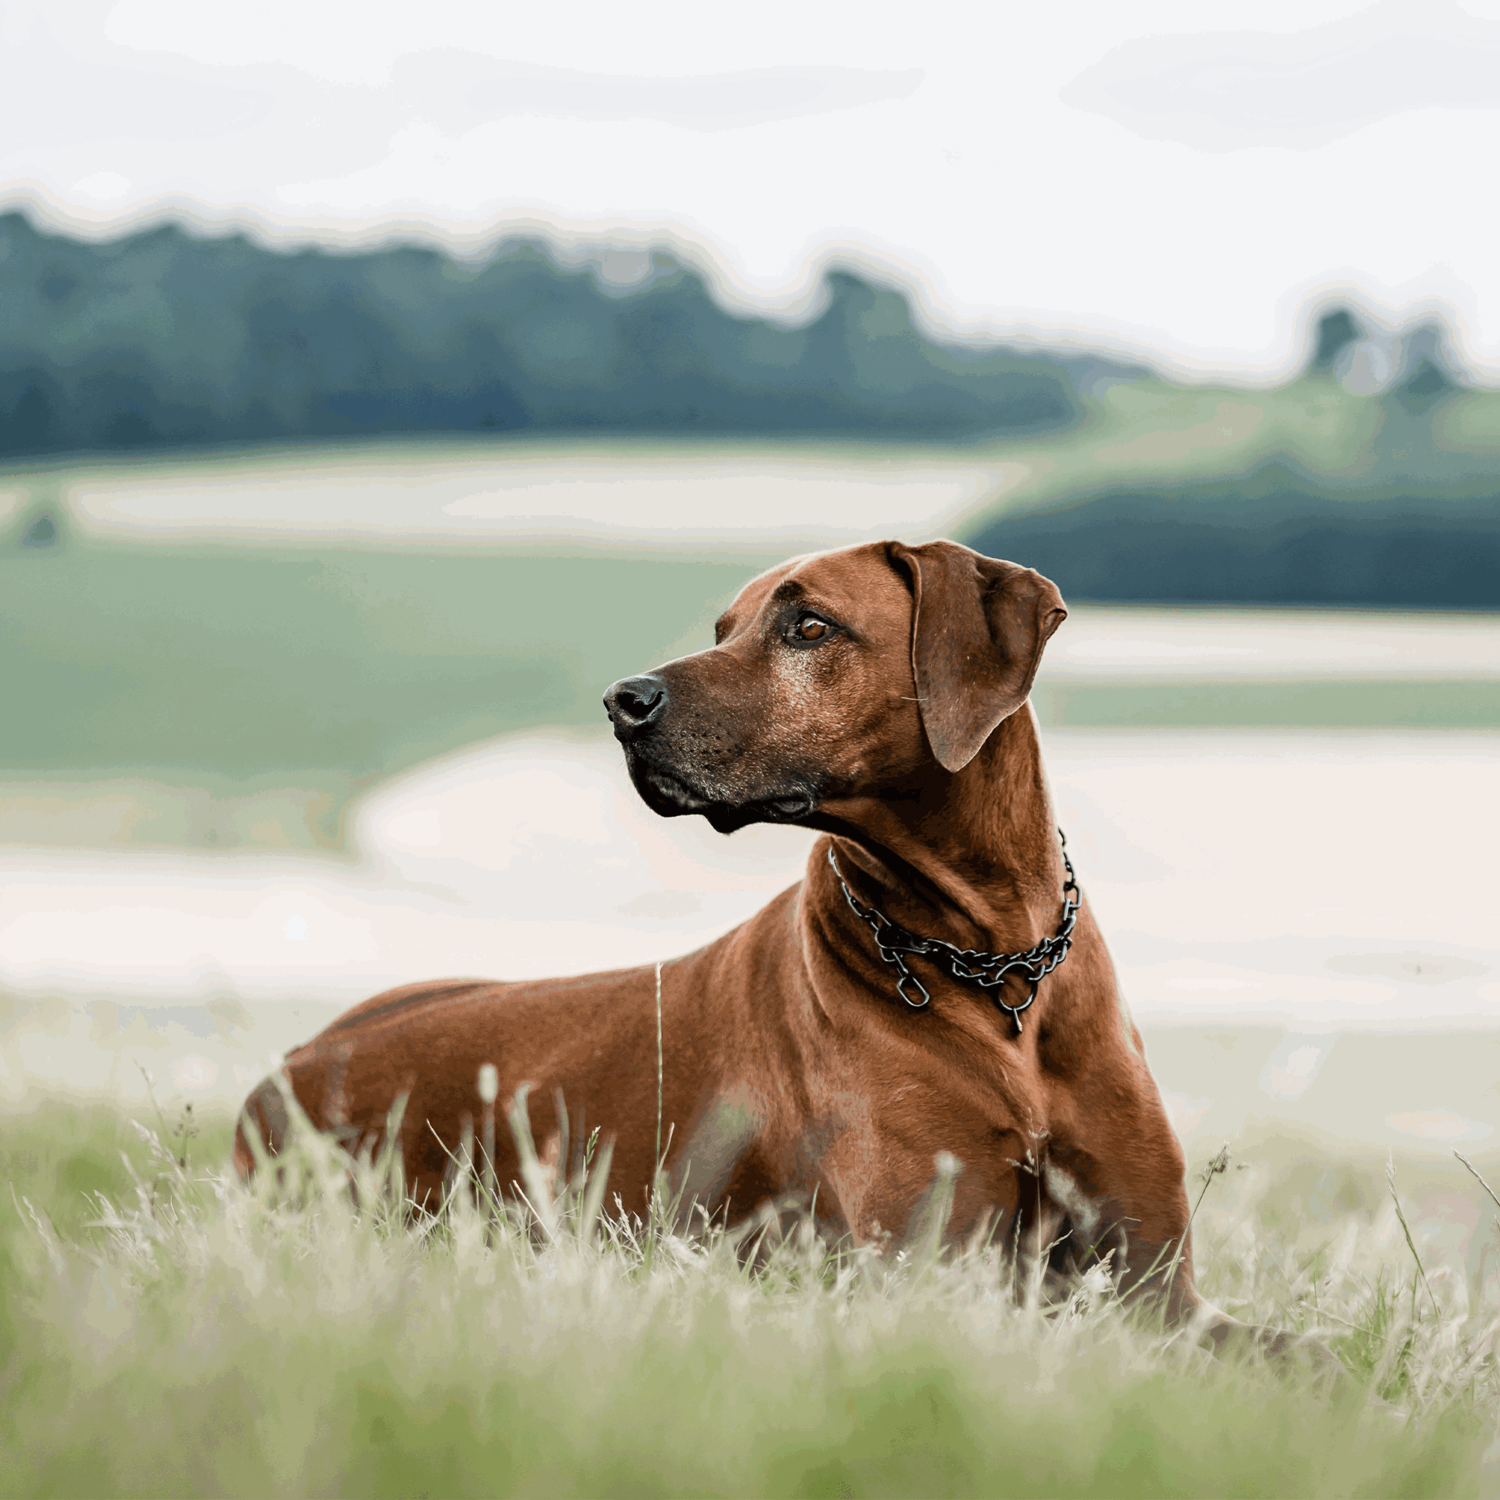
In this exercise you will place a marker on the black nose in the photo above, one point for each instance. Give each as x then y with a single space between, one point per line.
634 704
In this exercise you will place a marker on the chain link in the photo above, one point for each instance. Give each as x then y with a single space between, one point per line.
987 970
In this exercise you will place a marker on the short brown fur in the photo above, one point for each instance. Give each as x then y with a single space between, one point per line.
792 1070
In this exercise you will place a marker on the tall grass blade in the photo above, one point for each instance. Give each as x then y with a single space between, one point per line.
1475 1170
1390 1177
534 1176
594 1190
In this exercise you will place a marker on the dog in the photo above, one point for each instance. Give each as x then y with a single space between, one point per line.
935 984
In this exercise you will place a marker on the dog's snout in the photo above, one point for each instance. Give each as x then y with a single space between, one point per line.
635 703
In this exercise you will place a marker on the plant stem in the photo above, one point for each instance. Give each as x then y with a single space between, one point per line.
1390 1177
1470 1165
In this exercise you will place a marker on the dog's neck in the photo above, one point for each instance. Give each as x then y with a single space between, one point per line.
971 856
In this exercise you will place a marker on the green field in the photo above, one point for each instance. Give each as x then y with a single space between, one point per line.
174 1335
279 682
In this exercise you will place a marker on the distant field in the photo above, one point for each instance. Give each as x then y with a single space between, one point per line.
256 663
253 672
202 623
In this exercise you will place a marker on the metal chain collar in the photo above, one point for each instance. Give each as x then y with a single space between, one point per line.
988 970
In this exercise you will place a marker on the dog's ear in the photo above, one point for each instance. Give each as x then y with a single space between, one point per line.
978 628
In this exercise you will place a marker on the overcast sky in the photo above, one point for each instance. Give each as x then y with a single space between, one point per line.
1171 177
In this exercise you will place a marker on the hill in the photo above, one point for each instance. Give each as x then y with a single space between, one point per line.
1402 509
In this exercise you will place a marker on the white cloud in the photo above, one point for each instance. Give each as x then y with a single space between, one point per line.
765 143
106 187
1228 90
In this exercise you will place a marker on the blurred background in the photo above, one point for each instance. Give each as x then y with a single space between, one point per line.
377 388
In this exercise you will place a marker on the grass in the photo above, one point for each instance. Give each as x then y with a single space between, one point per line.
168 1332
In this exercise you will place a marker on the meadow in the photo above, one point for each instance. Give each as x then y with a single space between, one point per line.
235 717
169 1332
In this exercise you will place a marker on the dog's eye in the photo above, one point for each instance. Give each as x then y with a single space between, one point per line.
810 628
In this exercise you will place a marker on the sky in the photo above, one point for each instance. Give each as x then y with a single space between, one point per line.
1180 181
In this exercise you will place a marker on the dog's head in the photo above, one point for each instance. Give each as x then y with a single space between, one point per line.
835 676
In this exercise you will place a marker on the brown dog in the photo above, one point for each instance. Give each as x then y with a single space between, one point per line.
879 694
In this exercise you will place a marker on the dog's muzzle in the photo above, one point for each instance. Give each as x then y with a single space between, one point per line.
670 776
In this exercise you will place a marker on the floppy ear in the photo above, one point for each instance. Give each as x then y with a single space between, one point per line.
978 628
